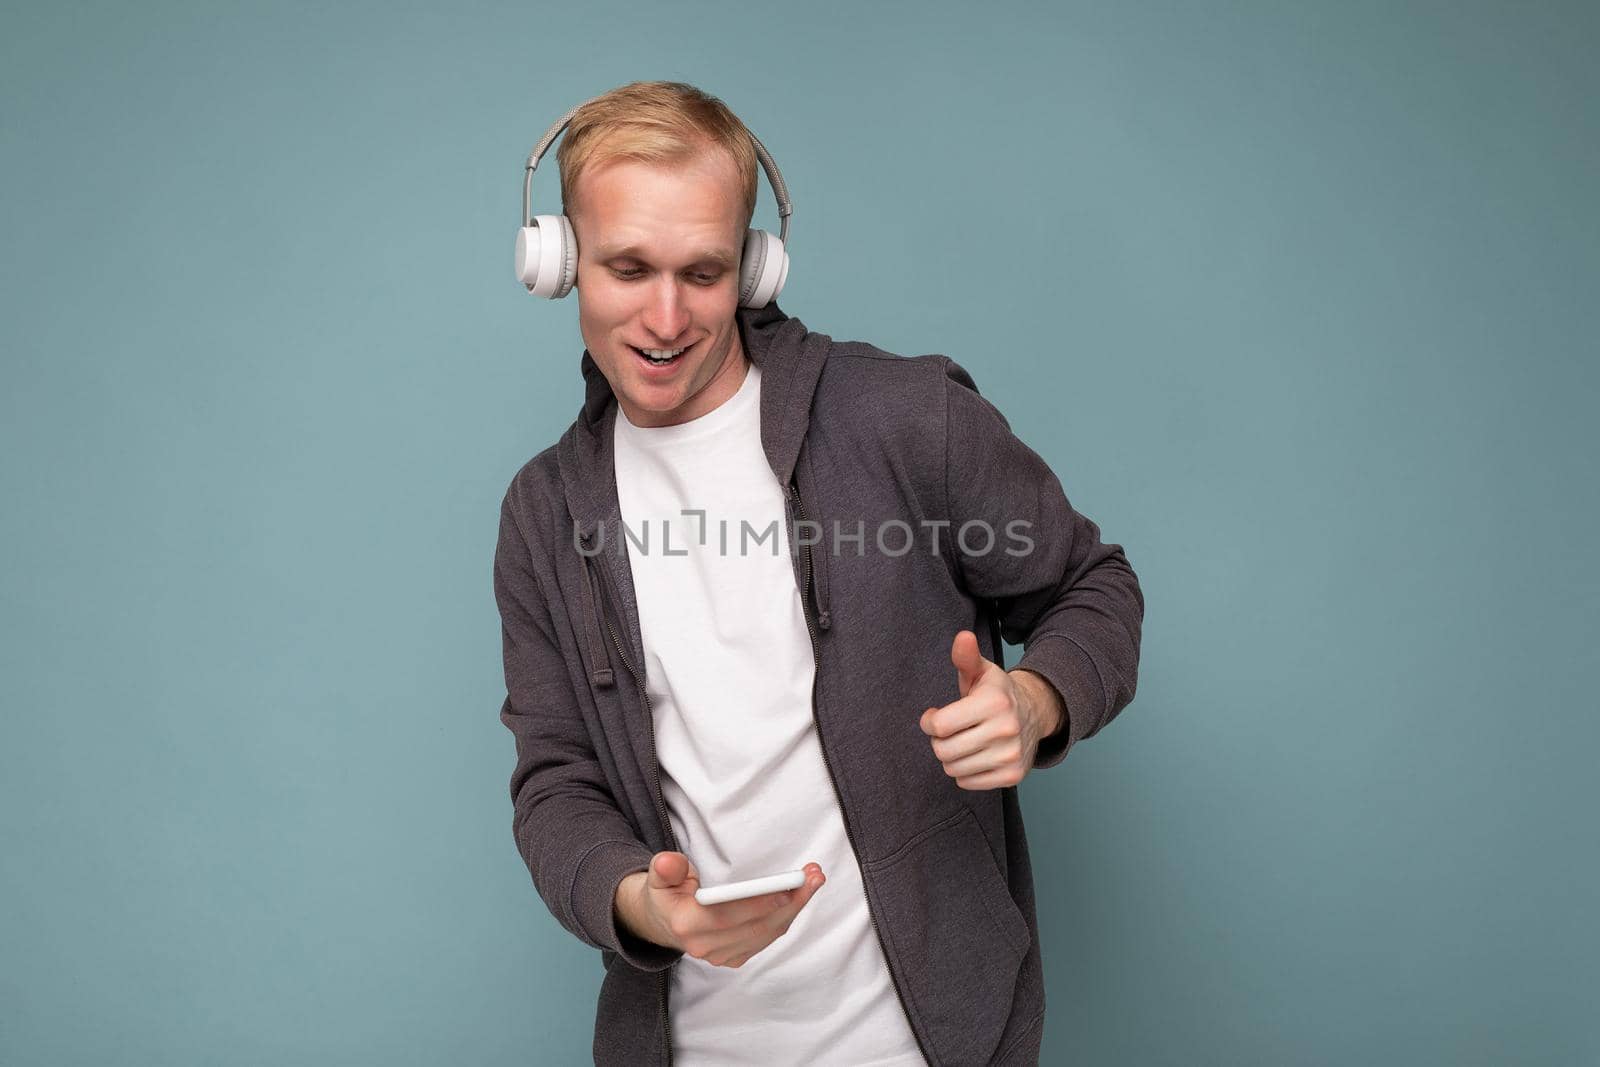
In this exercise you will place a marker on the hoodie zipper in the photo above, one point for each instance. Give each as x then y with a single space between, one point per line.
816 660
665 981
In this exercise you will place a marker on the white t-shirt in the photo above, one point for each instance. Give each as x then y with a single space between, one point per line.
729 670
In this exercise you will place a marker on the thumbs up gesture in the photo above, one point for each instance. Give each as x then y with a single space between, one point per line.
988 738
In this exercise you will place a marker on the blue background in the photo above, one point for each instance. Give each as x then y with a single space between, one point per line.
1299 300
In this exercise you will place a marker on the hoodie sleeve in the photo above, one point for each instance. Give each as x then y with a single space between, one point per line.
576 843
1068 597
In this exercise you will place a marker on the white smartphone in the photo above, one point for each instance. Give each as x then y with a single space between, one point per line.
752 887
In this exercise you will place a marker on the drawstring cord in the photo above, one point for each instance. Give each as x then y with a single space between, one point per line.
819 570
599 663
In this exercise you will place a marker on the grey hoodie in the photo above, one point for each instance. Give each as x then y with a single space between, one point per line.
864 442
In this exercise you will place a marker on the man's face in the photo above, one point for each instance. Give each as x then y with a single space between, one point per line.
658 268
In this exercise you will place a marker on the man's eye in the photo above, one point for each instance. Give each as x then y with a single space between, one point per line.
629 273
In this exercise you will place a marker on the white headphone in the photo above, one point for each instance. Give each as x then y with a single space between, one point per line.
547 249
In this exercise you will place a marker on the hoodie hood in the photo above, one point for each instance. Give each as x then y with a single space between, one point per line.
791 359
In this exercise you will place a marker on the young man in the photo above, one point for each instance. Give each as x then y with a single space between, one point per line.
747 603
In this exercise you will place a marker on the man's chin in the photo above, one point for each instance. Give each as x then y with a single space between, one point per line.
654 405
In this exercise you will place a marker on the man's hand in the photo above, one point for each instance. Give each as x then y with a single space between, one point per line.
658 905
988 738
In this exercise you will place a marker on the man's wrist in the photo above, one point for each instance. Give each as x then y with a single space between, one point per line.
632 916
1045 704
625 903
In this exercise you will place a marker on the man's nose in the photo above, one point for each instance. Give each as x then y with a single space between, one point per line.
666 316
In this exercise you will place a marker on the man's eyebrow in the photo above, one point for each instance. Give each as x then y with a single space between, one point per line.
707 255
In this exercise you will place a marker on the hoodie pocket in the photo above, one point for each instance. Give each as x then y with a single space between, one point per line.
956 935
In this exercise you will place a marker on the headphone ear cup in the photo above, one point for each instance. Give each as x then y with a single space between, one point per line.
569 258
547 256
763 268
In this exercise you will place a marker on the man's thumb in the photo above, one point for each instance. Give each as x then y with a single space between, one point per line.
667 869
968 662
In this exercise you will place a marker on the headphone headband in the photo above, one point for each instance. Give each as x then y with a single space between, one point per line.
774 178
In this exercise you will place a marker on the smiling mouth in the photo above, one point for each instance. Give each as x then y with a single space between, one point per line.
660 357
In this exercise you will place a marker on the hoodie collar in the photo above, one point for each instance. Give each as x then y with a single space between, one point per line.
790 358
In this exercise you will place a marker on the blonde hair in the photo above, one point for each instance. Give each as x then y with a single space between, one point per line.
654 122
